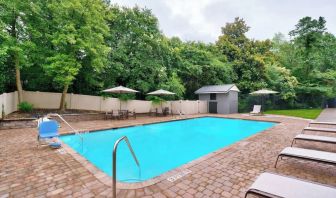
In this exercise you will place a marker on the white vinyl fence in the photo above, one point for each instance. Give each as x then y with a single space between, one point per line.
48 100
188 107
8 103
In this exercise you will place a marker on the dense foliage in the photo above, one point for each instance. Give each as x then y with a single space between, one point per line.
84 46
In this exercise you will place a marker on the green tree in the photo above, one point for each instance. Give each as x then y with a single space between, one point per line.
4 75
77 38
197 66
14 37
309 55
307 37
175 85
280 79
244 55
84 46
139 56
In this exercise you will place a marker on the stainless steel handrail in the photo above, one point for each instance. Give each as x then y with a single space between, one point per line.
74 130
114 159
55 114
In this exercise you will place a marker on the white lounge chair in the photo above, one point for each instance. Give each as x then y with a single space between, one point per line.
308 154
275 186
323 123
256 110
314 138
318 129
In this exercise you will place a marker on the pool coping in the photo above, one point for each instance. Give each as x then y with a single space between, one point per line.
163 121
178 172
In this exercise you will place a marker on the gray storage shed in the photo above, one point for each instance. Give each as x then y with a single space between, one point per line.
221 99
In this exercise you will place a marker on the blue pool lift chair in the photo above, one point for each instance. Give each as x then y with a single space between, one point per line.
48 130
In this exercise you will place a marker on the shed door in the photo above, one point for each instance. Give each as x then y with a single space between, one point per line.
212 107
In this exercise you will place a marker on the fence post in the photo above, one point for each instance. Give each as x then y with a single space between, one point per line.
198 106
4 96
16 101
2 107
100 103
70 101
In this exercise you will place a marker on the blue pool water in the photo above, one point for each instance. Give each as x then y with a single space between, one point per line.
161 147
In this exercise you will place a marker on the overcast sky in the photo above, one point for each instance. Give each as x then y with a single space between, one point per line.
202 19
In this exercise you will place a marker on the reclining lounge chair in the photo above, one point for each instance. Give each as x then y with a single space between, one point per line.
308 154
318 129
314 138
323 123
275 186
256 110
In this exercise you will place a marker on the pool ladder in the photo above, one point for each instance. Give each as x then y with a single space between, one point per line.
114 159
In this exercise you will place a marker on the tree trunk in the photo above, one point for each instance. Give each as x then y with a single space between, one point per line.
62 104
18 77
13 33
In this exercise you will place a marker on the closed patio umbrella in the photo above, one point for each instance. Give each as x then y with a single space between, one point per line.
120 90
161 92
262 93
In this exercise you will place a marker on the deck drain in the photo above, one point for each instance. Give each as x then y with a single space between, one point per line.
179 175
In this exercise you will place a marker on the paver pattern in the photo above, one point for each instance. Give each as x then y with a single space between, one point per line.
28 171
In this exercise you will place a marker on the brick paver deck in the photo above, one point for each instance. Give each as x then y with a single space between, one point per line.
26 171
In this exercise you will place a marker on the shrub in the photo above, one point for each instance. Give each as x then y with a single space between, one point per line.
25 107
155 100
125 97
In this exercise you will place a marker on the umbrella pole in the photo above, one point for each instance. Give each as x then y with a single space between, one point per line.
262 103
161 107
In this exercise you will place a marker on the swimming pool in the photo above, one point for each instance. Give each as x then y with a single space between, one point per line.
163 146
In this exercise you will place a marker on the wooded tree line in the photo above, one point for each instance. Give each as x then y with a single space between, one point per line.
84 46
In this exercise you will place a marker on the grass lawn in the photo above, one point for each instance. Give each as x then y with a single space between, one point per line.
302 113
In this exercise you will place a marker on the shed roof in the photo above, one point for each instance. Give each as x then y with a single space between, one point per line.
217 89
